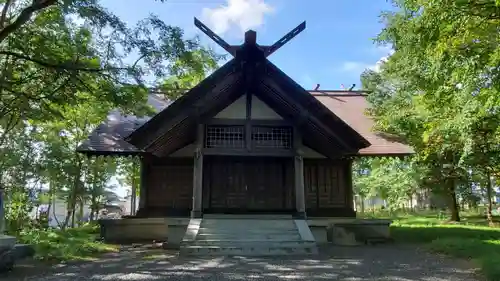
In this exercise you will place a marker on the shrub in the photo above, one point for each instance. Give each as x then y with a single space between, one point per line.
61 245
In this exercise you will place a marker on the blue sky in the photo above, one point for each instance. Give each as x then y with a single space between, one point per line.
335 48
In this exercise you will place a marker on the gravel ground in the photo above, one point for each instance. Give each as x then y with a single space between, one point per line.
388 262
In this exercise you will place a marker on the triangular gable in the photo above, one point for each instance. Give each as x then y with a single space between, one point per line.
238 110
262 111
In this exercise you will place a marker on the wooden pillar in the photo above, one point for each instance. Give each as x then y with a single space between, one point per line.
300 202
143 184
196 212
133 195
349 186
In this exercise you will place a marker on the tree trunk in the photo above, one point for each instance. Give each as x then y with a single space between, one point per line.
489 195
93 208
80 213
73 215
67 218
455 212
362 204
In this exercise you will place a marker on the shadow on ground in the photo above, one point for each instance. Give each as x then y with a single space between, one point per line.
388 262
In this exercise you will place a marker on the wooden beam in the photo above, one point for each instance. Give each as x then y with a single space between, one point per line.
217 39
300 201
270 152
285 39
242 122
143 188
348 183
198 173
133 195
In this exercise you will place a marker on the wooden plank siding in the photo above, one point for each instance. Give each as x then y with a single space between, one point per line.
169 187
247 185
326 188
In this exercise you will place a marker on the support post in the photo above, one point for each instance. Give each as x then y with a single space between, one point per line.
196 212
133 195
300 203
349 187
143 184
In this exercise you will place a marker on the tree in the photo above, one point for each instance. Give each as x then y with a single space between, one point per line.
439 91
47 58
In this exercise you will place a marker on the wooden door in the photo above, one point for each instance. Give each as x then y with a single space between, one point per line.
265 184
225 183
246 184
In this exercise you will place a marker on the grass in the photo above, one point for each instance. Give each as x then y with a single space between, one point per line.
66 245
470 239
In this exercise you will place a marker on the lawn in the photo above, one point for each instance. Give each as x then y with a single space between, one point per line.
470 239
79 243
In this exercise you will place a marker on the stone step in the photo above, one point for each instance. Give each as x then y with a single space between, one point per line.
247 217
247 231
247 250
246 226
243 227
249 243
260 236
7 241
248 236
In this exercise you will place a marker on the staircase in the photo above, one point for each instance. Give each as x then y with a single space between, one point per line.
248 235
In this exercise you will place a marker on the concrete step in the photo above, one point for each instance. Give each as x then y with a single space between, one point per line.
260 236
252 223
247 231
247 250
249 243
247 217
248 236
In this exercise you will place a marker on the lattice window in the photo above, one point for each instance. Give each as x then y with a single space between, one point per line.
225 137
272 137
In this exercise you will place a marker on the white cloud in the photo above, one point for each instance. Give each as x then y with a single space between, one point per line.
243 14
359 67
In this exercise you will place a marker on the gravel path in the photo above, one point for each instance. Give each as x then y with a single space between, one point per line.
336 263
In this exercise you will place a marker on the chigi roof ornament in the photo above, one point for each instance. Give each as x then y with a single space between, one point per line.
250 39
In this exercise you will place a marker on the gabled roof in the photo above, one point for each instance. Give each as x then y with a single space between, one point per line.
174 127
248 72
109 137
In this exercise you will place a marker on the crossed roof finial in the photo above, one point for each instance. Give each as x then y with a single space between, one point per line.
250 39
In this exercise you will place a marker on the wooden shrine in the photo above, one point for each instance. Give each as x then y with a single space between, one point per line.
246 140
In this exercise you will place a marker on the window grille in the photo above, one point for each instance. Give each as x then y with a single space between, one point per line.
225 137
272 137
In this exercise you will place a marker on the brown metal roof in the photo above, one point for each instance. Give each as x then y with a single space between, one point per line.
108 138
351 107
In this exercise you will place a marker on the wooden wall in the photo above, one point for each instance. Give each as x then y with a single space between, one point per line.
327 188
169 186
248 184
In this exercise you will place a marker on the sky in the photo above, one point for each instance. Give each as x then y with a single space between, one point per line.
333 50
